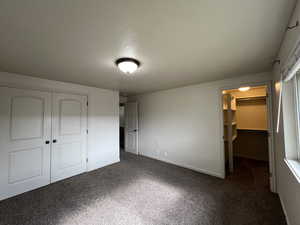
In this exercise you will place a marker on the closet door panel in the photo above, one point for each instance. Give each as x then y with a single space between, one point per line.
69 127
25 121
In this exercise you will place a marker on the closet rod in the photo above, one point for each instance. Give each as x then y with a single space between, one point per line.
252 98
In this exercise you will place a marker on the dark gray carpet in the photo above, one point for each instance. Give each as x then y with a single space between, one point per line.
142 191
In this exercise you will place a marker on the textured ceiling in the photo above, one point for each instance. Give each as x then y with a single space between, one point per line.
178 42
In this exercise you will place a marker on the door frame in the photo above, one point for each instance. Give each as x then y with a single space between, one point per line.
124 138
271 153
138 130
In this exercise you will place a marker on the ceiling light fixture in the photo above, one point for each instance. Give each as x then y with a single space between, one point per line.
127 65
244 88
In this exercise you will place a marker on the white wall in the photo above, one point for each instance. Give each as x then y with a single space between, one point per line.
287 185
184 125
103 114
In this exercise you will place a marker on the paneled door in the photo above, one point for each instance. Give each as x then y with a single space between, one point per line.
131 127
25 122
69 136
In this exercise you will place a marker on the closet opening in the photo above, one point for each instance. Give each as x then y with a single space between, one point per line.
248 148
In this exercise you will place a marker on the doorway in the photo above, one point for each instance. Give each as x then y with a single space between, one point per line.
122 126
128 116
247 122
131 127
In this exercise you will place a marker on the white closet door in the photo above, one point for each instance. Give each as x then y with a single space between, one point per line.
131 127
25 122
69 134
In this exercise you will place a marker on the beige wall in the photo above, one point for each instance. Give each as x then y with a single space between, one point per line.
252 115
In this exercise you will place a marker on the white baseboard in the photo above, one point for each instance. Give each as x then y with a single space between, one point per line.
99 165
214 174
284 210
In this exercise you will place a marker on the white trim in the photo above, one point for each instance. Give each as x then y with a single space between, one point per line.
294 166
279 105
297 108
272 163
215 174
284 211
293 71
100 164
272 159
222 151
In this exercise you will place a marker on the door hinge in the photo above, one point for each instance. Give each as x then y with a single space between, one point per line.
87 103
87 160
87 131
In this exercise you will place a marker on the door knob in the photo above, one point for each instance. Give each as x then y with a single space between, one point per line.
54 141
47 142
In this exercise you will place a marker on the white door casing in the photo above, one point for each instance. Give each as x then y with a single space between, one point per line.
25 121
69 136
131 127
272 169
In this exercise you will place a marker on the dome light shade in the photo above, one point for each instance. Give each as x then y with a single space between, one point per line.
244 88
127 65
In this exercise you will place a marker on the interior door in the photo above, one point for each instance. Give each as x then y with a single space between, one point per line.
25 121
69 136
131 127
